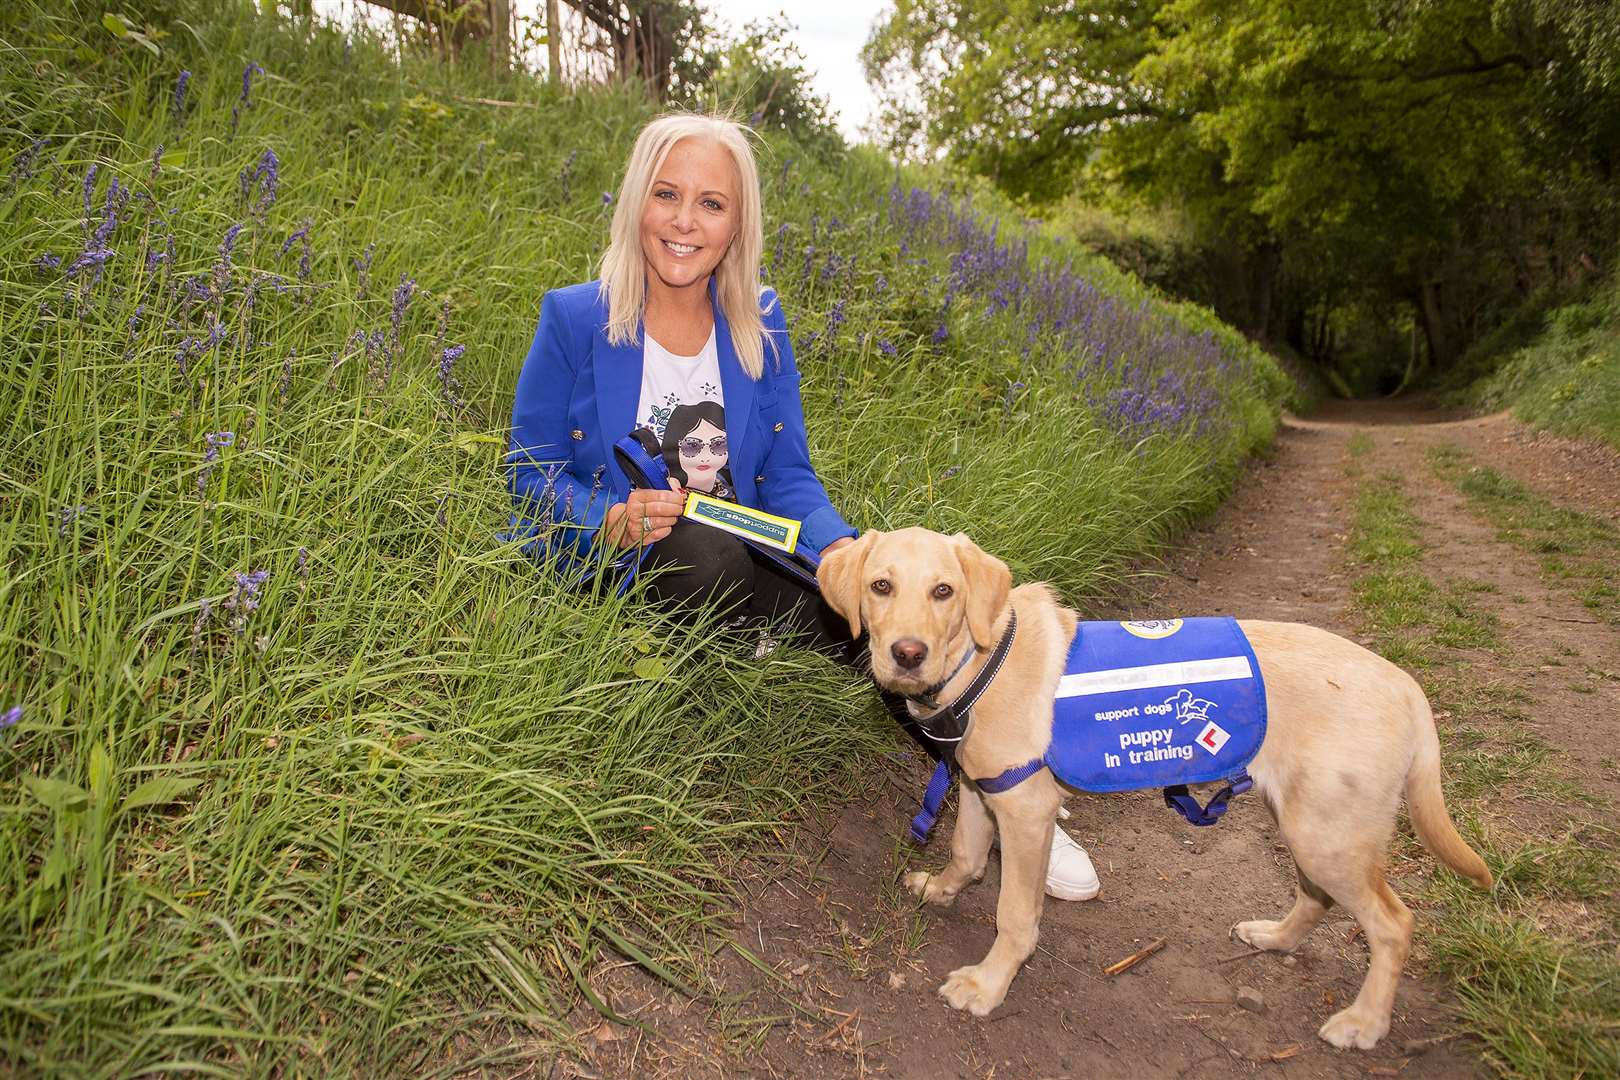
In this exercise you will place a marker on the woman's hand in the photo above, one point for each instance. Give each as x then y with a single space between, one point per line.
646 517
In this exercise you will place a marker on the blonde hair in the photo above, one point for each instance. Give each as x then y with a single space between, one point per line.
624 266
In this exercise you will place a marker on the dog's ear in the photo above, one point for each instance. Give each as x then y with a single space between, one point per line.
840 575
987 582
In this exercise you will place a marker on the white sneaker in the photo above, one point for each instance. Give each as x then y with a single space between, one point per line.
1069 873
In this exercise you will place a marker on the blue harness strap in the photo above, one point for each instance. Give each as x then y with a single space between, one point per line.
933 798
1012 777
1178 799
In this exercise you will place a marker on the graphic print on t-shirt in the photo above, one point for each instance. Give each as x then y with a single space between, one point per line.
683 406
695 449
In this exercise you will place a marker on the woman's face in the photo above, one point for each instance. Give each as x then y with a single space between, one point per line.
690 216
703 455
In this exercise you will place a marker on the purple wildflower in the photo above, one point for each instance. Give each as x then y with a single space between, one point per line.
260 183
244 598
447 376
214 441
222 268
439 508
89 191
246 100
205 614
66 517
363 266
90 260
607 198
950 472
24 169
567 176
46 263
886 347
396 316
11 716
178 107
301 564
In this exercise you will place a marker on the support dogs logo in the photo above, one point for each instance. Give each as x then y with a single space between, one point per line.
1152 629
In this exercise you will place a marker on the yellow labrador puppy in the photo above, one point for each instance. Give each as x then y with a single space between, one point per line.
1347 733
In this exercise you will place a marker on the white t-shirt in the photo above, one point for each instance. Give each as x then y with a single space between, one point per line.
683 405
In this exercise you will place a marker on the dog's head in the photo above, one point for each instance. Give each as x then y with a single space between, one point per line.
919 595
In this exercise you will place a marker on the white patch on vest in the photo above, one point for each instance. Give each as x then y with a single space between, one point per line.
1152 629
1218 669
1213 737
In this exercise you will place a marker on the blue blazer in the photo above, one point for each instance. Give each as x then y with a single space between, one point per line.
577 396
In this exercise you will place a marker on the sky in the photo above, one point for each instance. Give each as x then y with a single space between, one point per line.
830 33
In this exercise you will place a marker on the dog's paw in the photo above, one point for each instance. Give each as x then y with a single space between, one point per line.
1262 934
973 990
1348 1028
927 887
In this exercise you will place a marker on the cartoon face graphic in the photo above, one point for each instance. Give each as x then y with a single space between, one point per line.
703 455
695 448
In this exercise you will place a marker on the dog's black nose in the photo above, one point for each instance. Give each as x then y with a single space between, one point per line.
908 652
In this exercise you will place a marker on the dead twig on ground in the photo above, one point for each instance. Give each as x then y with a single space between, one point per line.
1135 958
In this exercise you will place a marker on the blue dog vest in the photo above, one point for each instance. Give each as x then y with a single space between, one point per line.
1162 703
1155 704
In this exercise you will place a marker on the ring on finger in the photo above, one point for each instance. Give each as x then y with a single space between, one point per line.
646 524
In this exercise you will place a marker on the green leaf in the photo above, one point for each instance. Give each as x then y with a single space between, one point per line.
116 25
157 791
59 795
651 668
469 441
55 868
148 43
172 159
101 772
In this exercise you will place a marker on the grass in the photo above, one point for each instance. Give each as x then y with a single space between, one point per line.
1567 377
383 809
1535 964
1577 552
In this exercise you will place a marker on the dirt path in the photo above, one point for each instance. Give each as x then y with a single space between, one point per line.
856 964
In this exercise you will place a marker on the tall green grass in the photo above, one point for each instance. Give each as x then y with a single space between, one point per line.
1567 378
383 815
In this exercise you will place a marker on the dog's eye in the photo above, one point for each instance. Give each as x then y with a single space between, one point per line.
942 590
881 586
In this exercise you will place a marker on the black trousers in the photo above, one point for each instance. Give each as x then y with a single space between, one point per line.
698 565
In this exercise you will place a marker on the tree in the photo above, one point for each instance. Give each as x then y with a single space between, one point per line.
1439 158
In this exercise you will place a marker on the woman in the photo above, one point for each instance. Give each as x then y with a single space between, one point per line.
678 328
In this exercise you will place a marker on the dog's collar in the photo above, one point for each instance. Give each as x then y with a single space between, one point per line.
949 723
926 698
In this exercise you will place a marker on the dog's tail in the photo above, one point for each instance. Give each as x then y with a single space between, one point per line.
1426 805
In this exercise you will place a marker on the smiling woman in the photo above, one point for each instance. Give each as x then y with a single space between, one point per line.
678 345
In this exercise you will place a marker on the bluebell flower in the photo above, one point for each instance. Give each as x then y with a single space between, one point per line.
45 263
362 267
260 183
213 441
246 100
67 516
447 375
607 198
244 598
24 169
10 717
178 106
